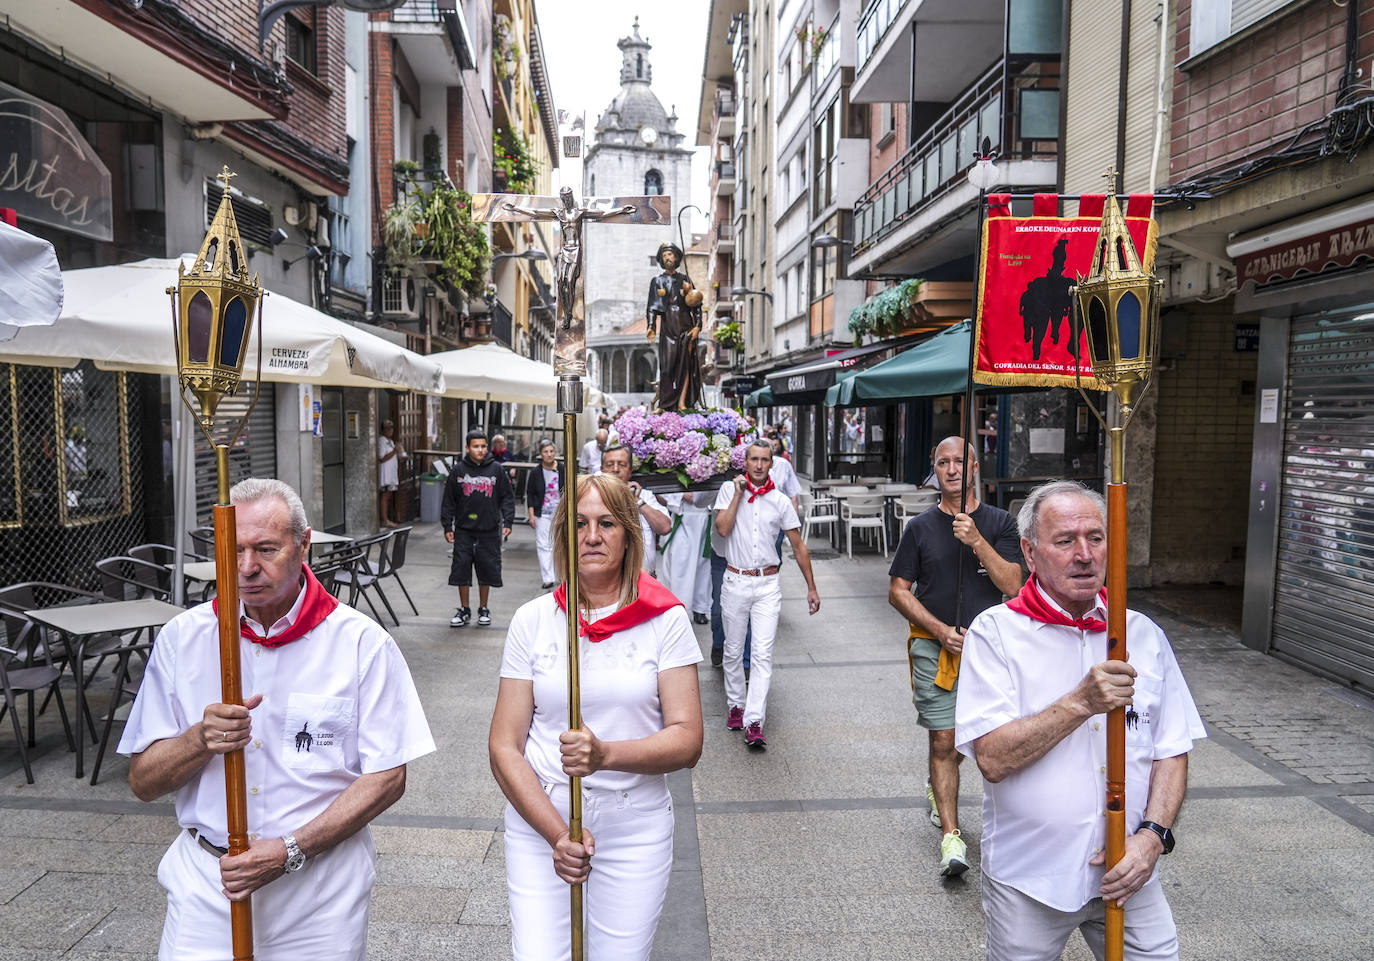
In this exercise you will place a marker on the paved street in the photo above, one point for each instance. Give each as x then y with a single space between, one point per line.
818 849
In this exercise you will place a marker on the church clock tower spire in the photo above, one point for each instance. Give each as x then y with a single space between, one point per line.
635 50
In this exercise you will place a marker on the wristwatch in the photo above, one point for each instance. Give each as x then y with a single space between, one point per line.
1166 837
295 857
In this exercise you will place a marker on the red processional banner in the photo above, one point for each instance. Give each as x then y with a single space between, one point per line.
1027 332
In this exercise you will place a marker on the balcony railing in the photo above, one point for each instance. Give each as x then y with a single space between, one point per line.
873 27
725 104
423 11
725 169
936 162
725 232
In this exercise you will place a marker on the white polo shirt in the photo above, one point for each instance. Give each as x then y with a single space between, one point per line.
337 703
785 477
619 682
1044 823
647 499
752 541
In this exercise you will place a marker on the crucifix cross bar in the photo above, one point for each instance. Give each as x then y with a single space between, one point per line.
570 342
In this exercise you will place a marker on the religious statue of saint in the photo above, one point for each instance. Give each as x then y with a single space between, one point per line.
675 306
568 263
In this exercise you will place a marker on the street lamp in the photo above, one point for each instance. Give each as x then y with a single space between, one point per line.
529 253
1117 305
830 240
745 291
212 318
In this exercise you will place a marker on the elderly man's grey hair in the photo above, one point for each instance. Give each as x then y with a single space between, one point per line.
1028 520
256 488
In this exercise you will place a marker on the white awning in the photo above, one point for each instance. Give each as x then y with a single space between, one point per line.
30 281
121 319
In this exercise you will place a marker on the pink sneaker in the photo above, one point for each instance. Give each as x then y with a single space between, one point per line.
735 721
754 738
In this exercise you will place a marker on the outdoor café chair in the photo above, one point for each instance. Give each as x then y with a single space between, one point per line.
864 512
393 558
26 667
128 578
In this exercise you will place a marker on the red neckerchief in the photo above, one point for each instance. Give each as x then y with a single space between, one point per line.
757 491
318 605
653 600
1031 603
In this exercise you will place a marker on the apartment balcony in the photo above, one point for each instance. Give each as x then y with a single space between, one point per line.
724 178
724 121
952 40
920 212
434 38
725 238
160 54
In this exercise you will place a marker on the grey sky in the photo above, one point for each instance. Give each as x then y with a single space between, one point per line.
584 65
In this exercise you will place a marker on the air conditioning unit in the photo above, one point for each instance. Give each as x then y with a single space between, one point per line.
401 296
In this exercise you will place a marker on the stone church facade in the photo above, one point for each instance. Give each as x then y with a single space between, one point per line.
636 150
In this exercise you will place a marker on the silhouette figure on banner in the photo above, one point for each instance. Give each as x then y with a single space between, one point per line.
1047 302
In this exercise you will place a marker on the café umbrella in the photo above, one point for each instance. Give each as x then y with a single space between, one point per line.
116 317
30 281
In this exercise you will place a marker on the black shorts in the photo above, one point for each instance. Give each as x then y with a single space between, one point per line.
479 549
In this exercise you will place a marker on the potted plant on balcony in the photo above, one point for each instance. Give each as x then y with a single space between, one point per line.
514 161
729 335
455 240
885 313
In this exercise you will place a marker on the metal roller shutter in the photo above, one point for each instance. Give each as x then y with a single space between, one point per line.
255 454
1324 583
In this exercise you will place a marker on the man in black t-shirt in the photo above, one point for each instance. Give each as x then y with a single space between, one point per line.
984 540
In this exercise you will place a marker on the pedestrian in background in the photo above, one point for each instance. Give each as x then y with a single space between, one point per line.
654 520
589 460
389 454
749 513
641 719
477 513
543 488
1031 712
923 587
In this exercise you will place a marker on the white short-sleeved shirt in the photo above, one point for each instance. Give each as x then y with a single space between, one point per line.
647 499
387 472
337 703
1044 823
619 681
753 539
784 477
590 458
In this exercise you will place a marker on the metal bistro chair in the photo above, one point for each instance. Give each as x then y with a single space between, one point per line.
128 578
363 575
166 556
393 558
31 595
204 539
125 688
26 667
866 513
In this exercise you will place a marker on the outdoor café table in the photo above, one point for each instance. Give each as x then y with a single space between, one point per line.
326 539
83 621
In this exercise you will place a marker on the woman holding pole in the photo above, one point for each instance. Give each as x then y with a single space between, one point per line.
641 711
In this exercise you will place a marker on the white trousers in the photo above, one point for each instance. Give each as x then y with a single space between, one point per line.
685 571
1020 928
749 602
317 914
543 546
624 893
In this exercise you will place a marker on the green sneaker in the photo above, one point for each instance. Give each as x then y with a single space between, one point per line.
934 811
952 855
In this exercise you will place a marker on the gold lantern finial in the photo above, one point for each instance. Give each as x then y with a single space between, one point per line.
1117 305
213 304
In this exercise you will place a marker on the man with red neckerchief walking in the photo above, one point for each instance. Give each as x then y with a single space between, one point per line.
749 514
1034 692
330 724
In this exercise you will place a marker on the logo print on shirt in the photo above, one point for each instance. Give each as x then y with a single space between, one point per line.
304 739
486 486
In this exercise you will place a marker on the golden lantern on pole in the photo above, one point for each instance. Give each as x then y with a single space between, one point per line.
1117 306
212 319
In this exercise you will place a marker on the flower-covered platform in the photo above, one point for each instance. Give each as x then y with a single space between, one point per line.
695 450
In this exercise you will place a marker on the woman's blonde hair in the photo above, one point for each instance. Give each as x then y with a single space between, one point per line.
619 500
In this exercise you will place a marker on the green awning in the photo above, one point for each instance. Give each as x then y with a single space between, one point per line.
763 397
931 368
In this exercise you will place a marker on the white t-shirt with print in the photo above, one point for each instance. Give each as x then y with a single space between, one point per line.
619 681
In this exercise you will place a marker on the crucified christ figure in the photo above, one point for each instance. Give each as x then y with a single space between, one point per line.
568 264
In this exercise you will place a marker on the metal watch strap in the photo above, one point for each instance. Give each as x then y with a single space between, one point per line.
1166 836
295 857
